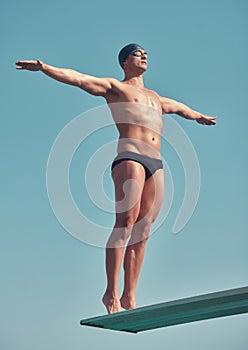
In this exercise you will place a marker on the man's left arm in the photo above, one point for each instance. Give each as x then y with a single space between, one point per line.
170 106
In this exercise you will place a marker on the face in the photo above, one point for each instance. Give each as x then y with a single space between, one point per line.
137 60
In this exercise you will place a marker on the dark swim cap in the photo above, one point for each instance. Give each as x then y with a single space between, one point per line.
125 52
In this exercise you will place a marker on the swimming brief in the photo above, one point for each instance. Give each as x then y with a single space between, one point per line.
151 165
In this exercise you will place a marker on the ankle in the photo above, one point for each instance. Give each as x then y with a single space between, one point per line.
128 302
129 295
111 293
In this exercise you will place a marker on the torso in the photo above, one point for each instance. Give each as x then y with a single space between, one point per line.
138 116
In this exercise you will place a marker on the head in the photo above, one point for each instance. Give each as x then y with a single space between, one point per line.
134 57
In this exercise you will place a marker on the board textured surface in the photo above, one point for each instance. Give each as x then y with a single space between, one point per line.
197 308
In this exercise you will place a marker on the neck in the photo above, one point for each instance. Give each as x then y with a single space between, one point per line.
134 79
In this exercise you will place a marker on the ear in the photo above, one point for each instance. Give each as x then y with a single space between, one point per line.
124 64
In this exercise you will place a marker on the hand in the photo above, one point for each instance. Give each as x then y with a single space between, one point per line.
205 120
33 66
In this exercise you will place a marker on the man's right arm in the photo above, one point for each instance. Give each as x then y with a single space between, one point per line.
93 85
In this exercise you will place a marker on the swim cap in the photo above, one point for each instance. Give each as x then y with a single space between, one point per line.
125 52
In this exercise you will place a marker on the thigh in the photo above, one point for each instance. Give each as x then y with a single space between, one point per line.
152 196
129 180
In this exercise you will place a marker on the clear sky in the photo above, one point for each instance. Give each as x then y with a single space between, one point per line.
198 54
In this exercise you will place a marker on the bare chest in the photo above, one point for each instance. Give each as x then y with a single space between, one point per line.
139 108
143 97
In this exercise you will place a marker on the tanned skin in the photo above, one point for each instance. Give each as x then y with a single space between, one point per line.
140 128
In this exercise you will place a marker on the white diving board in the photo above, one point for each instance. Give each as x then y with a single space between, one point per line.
197 308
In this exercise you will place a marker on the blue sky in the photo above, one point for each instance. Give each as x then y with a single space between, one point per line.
49 280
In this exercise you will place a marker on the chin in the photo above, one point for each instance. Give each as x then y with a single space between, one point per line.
142 67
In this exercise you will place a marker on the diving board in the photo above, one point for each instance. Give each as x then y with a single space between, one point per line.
197 308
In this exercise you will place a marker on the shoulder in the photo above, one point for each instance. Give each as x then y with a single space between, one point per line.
152 92
117 87
162 99
114 82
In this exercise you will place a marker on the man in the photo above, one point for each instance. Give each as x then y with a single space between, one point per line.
137 171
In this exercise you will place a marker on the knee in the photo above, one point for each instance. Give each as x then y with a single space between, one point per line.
142 229
122 230
126 221
145 223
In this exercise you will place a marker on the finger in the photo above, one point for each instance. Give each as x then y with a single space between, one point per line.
20 64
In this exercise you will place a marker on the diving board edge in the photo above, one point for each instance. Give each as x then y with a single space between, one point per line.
202 307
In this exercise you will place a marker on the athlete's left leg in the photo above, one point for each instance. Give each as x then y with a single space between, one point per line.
151 202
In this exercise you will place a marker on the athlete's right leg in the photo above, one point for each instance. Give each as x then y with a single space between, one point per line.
129 180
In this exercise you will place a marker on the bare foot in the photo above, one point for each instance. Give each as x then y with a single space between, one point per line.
128 303
111 303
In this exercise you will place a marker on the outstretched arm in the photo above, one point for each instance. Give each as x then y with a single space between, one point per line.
171 106
92 85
